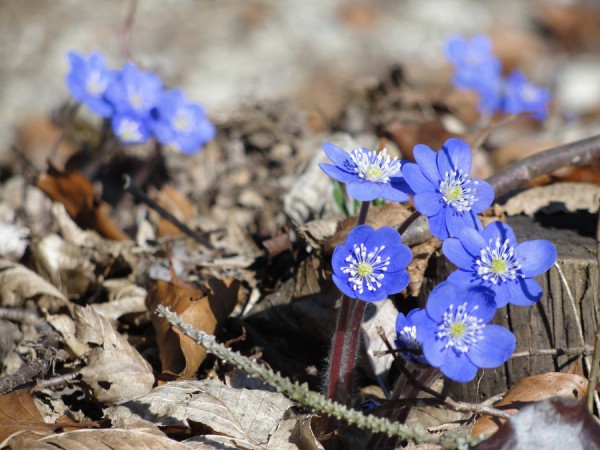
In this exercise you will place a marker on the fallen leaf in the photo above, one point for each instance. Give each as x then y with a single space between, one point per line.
18 413
417 267
205 310
573 196
556 423
175 203
249 416
124 297
18 283
75 191
529 390
115 371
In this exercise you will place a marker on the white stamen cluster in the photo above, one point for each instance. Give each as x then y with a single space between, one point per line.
460 328
365 268
94 84
498 263
456 192
373 166
129 131
409 336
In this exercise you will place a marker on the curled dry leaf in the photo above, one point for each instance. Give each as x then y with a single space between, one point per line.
206 310
124 297
529 390
18 283
556 423
251 417
416 269
573 196
76 192
20 417
115 371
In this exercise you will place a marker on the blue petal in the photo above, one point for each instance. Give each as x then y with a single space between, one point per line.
401 256
416 180
401 322
343 285
524 292
494 349
457 222
358 235
387 236
363 190
440 298
400 184
391 192
426 160
437 225
428 203
456 253
433 348
535 257
426 327
499 230
372 296
338 174
337 155
484 194
481 298
457 366
338 260
455 50
503 293
455 154
395 282
472 241
463 278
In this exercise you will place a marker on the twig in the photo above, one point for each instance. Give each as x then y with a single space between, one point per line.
126 34
408 222
518 174
314 400
560 351
140 195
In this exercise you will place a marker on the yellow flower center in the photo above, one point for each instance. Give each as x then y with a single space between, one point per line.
453 193
364 269
457 329
498 266
374 172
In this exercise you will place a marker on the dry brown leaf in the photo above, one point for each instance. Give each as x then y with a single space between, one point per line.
115 371
75 191
416 269
175 203
142 439
18 283
206 310
249 416
573 195
124 297
18 413
529 390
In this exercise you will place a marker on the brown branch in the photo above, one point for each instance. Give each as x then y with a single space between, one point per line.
518 174
560 351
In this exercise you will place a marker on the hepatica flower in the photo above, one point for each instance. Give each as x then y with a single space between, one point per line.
371 264
494 259
455 335
406 338
135 91
474 61
180 123
130 128
367 174
88 80
443 190
520 95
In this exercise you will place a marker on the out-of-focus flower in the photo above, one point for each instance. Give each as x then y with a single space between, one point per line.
443 190
493 259
371 264
88 81
130 128
455 335
180 123
474 61
521 95
135 91
367 174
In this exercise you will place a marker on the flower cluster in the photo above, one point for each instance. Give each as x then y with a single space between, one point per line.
452 332
477 68
137 104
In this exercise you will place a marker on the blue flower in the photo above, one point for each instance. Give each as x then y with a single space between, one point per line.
181 124
371 264
493 259
88 80
520 95
474 62
135 91
406 338
455 335
130 128
368 174
443 190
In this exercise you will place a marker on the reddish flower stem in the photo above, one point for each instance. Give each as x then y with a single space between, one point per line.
342 358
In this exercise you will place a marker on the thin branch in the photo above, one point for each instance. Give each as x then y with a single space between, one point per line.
141 196
520 173
126 33
560 351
